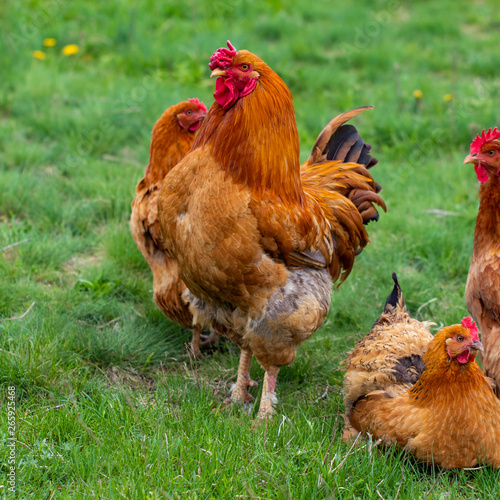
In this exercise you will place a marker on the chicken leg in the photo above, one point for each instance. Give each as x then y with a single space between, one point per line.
269 398
239 392
195 342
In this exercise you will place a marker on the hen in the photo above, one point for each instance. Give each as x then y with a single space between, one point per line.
260 238
425 393
482 292
172 137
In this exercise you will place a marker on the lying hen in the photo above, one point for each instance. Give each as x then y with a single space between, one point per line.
259 238
425 393
172 137
482 292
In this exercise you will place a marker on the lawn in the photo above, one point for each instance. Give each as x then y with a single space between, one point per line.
108 404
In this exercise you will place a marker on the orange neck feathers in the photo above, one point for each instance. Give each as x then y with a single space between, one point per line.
442 373
169 144
488 217
256 140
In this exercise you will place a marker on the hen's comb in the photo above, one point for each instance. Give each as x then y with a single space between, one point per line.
200 105
222 57
471 326
491 135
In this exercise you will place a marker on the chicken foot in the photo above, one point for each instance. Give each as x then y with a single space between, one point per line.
239 391
269 398
211 338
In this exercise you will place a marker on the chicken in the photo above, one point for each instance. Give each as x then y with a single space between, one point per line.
172 137
482 292
259 238
425 393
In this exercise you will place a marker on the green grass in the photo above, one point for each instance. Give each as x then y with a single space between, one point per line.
108 404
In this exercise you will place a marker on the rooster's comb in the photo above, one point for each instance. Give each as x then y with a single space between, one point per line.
471 326
489 136
200 105
222 57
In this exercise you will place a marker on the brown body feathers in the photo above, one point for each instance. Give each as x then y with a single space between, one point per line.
425 393
259 237
482 292
171 139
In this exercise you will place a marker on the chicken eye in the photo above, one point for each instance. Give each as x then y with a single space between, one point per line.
244 67
491 152
460 338
189 112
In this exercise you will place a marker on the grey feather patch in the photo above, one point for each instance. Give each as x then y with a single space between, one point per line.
409 369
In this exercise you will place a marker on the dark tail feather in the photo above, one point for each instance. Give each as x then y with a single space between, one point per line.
396 298
339 141
395 303
347 146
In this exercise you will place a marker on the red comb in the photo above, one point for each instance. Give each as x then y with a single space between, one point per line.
200 105
471 326
222 57
491 135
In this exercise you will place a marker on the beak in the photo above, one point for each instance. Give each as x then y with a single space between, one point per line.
477 346
217 72
470 159
254 74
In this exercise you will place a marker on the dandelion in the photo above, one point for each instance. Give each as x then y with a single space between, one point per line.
49 42
70 50
38 54
418 94
448 97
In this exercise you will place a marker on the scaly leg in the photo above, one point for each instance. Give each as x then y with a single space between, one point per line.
239 391
195 342
268 394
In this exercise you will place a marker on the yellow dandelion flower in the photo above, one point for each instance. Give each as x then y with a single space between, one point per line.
448 97
49 42
38 54
70 50
418 94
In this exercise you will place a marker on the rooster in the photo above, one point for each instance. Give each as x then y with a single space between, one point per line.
482 292
260 238
172 137
425 393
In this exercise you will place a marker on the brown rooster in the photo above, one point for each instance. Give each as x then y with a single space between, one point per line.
482 293
172 137
260 239
425 393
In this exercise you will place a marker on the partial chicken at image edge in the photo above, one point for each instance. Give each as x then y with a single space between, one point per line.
482 292
259 238
171 139
423 393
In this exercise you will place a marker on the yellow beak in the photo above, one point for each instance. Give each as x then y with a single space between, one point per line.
217 72
470 159
477 346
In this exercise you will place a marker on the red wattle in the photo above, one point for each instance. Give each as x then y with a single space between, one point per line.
481 172
464 357
249 87
228 91
225 92
195 126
